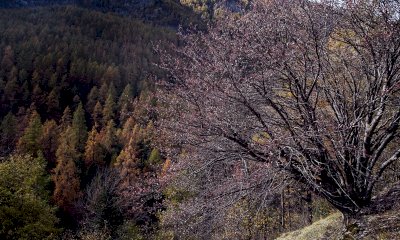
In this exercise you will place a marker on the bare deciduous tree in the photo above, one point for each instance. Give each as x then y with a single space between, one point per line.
102 204
309 87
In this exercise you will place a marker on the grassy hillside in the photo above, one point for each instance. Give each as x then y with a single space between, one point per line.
383 226
327 228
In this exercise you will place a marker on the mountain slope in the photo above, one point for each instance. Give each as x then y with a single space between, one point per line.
161 12
69 78
70 50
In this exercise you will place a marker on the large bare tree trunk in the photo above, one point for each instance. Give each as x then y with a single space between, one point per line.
380 217
309 202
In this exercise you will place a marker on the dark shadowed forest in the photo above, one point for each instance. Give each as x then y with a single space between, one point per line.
199 119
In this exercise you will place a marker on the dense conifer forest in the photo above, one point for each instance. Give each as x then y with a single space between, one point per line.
74 89
199 119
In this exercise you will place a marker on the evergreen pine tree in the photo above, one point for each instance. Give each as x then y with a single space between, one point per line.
111 76
65 177
38 96
154 157
128 164
53 102
7 61
92 99
30 140
79 128
49 141
8 132
109 140
109 137
103 92
127 131
126 96
25 92
25 212
10 91
124 103
97 114
93 150
112 91
66 119
109 109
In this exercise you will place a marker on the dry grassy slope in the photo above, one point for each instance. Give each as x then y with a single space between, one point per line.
384 226
327 228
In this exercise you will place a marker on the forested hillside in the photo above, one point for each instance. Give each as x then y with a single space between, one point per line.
69 51
171 13
73 94
199 119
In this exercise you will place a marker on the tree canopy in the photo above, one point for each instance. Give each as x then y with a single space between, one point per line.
307 87
25 210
